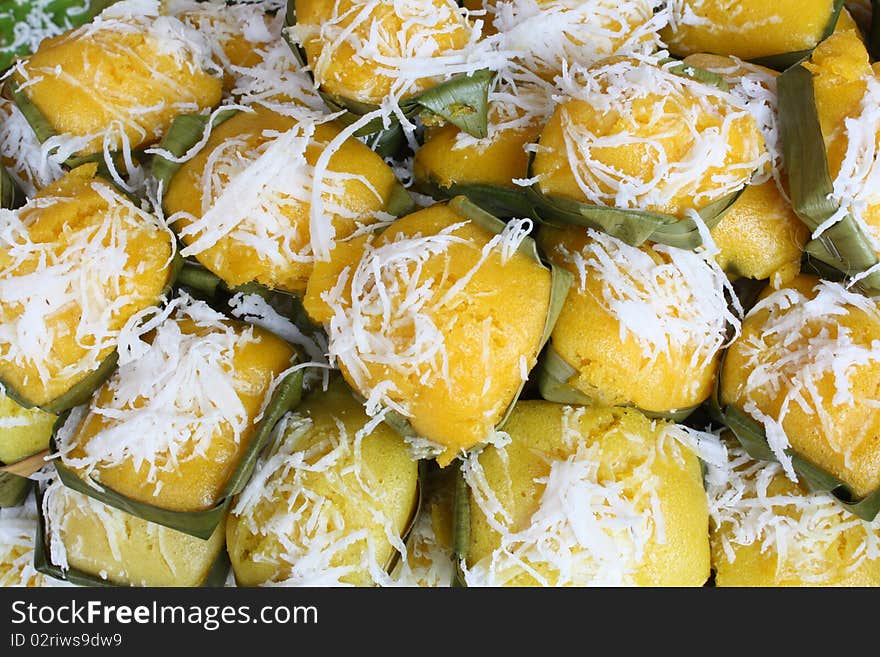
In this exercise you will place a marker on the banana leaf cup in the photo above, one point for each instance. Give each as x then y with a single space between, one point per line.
208 556
843 246
230 264
69 89
78 186
559 283
11 196
324 457
200 524
462 100
633 226
512 529
752 436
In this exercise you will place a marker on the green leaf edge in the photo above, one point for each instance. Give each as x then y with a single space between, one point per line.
844 245
215 578
470 90
200 524
753 439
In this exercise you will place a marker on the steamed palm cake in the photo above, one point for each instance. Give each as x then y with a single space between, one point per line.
23 431
76 263
641 326
367 50
109 544
243 204
119 81
633 134
768 531
329 504
847 93
760 235
807 367
748 29
170 426
582 496
437 319
549 36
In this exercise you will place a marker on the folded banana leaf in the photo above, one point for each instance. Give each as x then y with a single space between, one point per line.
750 434
783 61
82 391
844 246
13 489
11 195
560 283
215 578
61 13
461 528
185 132
463 100
634 227
198 523
554 374
494 199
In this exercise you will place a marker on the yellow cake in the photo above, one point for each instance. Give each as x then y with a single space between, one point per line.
768 531
365 51
23 431
847 91
243 204
584 496
641 326
748 29
438 319
330 502
78 262
806 367
760 235
636 135
120 80
106 543
173 422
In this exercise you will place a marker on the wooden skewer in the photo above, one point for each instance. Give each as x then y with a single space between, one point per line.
28 466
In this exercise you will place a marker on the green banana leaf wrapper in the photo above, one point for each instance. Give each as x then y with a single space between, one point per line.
559 285
13 489
185 132
463 100
784 60
43 130
197 523
750 434
633 227
216 577
82 391
461 529
494 199
844 246
11 196
59 12
554 373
